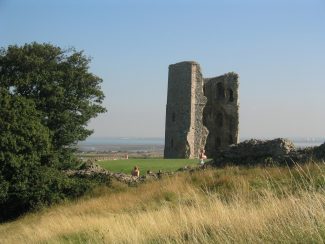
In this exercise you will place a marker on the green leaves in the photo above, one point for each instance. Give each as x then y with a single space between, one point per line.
58 81
21 130
47 97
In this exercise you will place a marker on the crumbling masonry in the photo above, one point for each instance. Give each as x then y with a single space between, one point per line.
200 113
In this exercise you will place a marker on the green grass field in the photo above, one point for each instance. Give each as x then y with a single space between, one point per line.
126 165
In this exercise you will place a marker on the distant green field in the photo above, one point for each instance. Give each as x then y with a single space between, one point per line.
126 165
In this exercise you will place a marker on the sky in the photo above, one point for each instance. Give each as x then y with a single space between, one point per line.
276 46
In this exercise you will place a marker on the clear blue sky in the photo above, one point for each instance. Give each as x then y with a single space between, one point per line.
276 46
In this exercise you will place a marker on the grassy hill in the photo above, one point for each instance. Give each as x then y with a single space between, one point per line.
228 205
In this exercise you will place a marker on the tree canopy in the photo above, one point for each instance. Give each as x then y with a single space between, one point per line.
47 97
59 82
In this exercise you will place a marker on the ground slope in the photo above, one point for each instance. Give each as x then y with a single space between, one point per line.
237 205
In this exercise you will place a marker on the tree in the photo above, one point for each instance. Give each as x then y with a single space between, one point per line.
24 141
47 97
65 93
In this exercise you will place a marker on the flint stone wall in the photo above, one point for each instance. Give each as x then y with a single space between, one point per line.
195 107
253 151
319 152
221 113
265 152
185 133
91 170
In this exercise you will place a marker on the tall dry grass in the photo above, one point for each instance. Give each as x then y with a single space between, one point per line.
230 205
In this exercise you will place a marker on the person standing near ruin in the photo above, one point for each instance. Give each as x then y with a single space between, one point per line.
135 171
202 156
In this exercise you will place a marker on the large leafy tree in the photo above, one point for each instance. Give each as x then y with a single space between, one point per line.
24 141
27 179
47 97
59 82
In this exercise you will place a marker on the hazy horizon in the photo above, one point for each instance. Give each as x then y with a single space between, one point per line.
276 47
136 144
161 140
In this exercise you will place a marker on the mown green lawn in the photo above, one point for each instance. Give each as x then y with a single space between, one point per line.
126 165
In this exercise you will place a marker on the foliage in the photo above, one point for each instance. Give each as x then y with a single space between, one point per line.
47 96
65 93
26 178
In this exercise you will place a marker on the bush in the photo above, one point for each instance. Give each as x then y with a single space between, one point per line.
38 187
28 179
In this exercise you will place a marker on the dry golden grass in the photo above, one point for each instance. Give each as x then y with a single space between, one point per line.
230 205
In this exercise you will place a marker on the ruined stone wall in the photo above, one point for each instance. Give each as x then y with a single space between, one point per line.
200 113
199 101
221 113
185 103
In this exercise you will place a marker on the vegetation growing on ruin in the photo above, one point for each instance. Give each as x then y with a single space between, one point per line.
227 205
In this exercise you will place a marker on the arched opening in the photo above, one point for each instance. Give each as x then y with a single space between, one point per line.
173 117
220 92
231 95
220 119
172 143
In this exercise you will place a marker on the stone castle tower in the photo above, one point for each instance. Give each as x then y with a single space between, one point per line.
200 113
